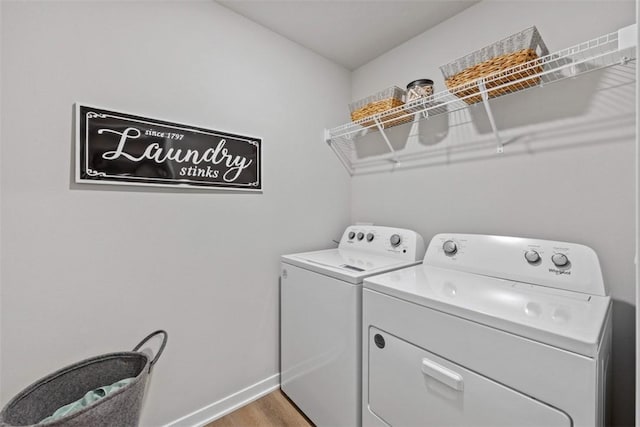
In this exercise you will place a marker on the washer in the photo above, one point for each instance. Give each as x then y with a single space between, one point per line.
488 331
321 318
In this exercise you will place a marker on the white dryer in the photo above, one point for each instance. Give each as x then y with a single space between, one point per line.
488 331
321 318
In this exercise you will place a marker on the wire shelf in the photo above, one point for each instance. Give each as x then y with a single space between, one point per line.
605 51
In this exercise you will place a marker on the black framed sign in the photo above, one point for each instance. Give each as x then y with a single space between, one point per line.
120 148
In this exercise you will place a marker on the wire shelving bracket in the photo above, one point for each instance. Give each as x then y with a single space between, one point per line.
487 107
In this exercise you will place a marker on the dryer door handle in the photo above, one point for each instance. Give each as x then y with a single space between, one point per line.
442 374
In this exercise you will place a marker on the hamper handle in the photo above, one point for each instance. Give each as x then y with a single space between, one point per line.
160 350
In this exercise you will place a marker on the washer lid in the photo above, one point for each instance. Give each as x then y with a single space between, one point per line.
569 320
346 264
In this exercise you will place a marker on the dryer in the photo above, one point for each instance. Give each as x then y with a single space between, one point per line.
321 323
488 331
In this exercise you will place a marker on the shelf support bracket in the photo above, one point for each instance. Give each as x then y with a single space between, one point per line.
327 136
487 107
425 113
380 126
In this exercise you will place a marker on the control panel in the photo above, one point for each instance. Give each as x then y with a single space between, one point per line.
399 242
548 263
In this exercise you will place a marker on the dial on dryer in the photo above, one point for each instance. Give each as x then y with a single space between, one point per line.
532 256
395 240
449 247
560 260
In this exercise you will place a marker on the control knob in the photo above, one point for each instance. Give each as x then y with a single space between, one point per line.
351 235
449 247
532 256
560 260
395 240
360 235
370 237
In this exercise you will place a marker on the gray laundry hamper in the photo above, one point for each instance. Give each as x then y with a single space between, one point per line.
118 409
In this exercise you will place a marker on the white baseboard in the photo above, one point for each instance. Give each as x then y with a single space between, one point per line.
228 404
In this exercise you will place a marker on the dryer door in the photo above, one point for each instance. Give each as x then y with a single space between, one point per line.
409 386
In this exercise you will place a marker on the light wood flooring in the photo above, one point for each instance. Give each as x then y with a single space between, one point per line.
272 410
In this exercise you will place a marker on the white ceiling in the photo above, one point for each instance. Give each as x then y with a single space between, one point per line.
350 33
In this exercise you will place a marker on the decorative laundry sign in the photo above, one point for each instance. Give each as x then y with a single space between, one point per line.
119 148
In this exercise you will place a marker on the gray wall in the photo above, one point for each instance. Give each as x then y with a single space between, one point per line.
568 174
91 269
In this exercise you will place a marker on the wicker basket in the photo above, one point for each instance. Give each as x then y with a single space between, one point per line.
518 53
377 105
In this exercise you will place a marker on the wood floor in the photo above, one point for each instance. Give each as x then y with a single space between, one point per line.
272 410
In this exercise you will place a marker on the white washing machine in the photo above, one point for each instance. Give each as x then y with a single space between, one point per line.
488 331
321 318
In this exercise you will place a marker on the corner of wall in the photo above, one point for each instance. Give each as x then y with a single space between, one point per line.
1 258
637 232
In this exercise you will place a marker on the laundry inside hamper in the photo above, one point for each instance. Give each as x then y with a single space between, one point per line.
119 409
